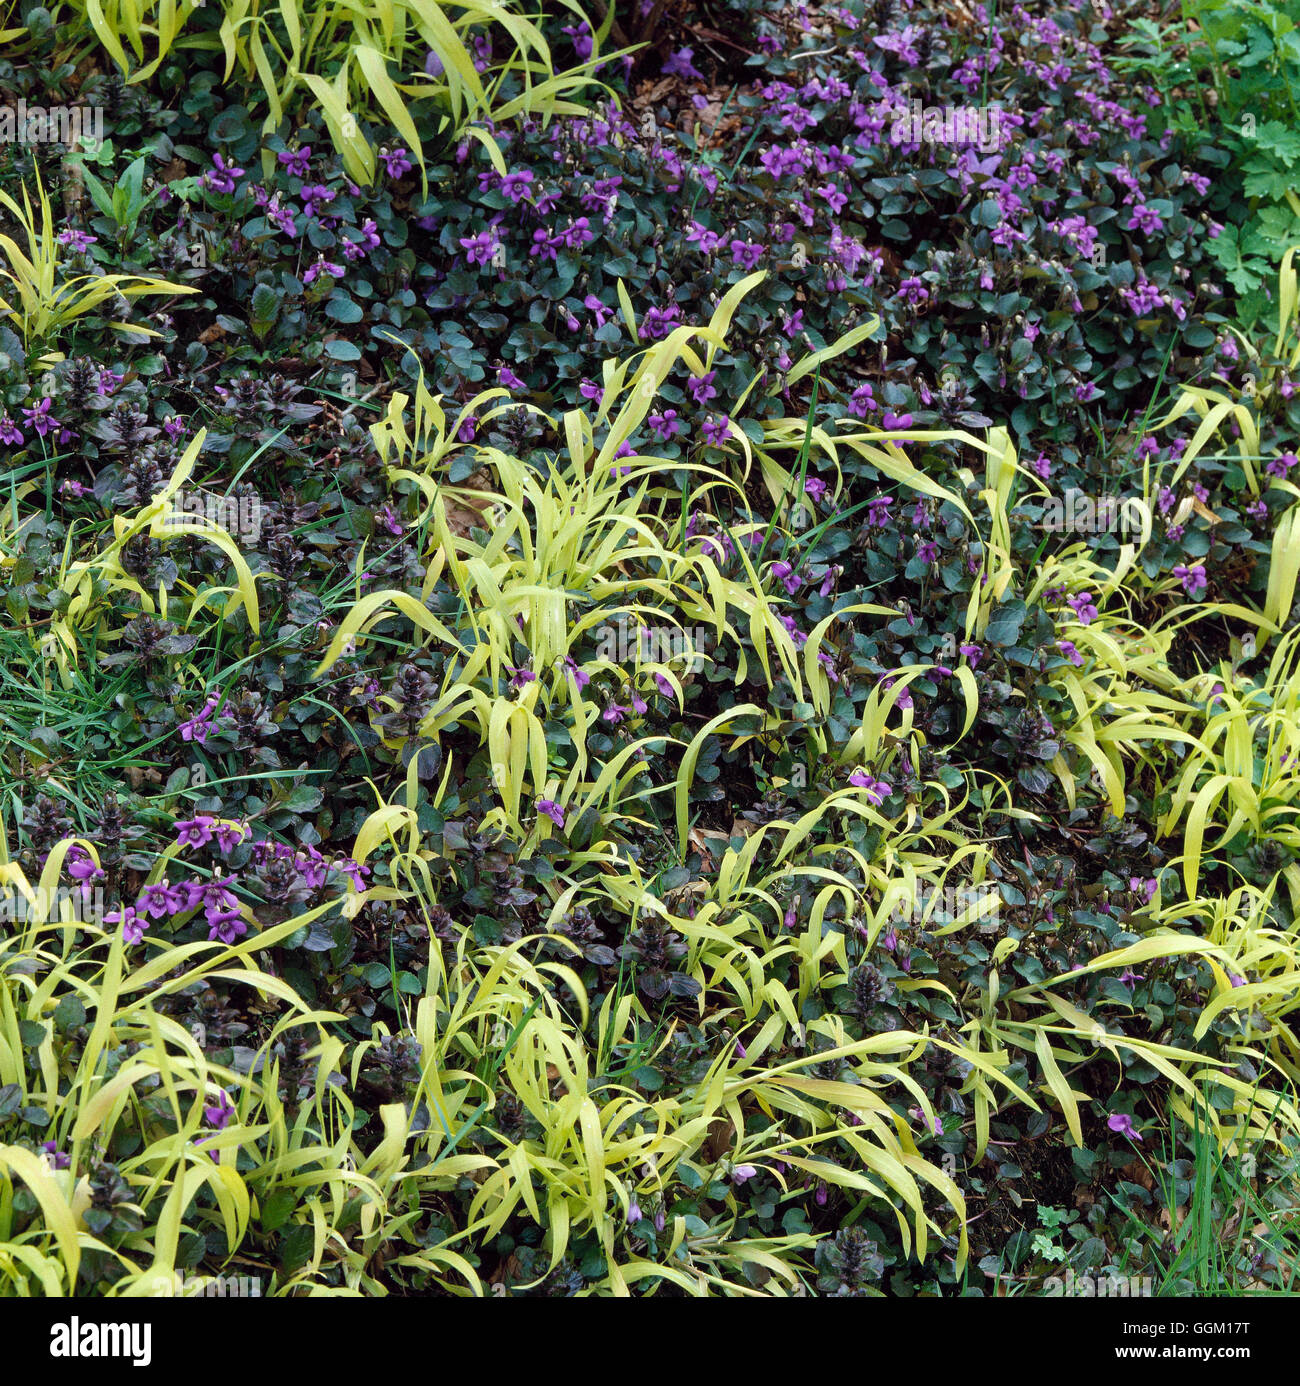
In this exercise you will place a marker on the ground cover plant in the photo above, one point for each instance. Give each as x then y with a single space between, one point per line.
1229 70
641 668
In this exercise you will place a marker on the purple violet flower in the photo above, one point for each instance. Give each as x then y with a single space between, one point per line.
295 161
1122 1123
133 925
1081 605
57 1158
219 1111
221 177
397 162
194 832
226 926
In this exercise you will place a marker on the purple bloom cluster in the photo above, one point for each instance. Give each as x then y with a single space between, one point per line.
221 908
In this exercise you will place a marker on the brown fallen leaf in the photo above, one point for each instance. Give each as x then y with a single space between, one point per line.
470 512
1171 1223
647 96
720 1138
721 841
509 1269
1137 1173
696 838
